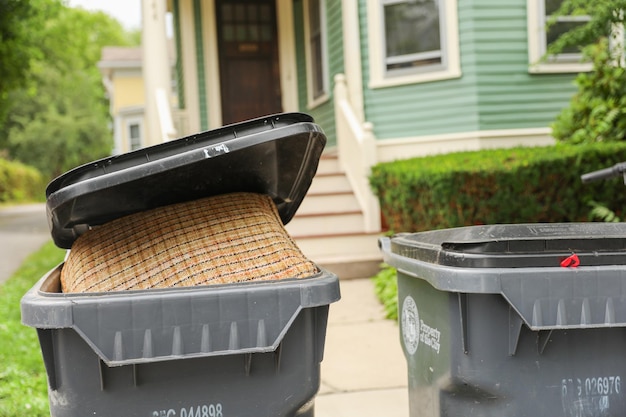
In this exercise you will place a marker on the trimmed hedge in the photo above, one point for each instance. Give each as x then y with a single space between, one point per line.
20 183
519 185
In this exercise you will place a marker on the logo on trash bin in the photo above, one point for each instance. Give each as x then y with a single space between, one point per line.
410 325
416 331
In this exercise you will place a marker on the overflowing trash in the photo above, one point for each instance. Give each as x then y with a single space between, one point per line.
224 239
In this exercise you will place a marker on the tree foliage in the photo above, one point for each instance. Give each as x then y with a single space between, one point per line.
596 112
63 126
19 40
604 17
58 117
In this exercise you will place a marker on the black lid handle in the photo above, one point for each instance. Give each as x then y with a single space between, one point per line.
614 171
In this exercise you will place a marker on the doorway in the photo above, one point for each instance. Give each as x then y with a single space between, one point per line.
248 56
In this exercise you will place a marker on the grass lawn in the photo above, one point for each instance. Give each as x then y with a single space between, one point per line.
23 387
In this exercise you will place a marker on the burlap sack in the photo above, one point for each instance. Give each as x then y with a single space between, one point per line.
216 240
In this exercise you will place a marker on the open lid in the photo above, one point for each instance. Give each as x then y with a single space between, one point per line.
275 155
516 245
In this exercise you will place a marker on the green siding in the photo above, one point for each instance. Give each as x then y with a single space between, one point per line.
324 114
202 105
418 109
180 79
437 107
509 96
298 23
495 90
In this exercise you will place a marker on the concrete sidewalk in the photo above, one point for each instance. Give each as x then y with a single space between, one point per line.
23 229
364 372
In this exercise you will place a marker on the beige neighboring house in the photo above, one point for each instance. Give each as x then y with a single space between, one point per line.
123 78
121 69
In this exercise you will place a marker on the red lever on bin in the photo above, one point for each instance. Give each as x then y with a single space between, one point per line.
571 261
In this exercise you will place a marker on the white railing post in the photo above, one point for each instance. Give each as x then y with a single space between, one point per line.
156 71
369 158
340 96
164 110
356 145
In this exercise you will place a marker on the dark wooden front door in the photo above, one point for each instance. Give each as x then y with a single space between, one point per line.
248 54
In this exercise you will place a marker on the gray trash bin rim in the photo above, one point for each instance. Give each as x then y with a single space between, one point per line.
544 297
207 320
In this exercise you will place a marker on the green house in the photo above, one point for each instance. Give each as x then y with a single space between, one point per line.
386 79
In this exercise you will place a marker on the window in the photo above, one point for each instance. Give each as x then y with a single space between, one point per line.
413 41
412 35
134 135
539 13
315 31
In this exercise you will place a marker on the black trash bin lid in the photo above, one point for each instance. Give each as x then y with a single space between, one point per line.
275 155
517 245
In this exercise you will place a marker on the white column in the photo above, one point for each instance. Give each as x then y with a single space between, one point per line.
156 72
352 56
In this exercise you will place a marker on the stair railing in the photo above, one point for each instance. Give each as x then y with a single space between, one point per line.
356 146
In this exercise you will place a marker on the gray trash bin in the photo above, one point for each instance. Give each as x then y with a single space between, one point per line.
243 349
513 320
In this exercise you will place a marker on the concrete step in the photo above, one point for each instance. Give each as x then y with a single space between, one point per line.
329 226
339 247
329 202
348 255
328 164
326 223
330 183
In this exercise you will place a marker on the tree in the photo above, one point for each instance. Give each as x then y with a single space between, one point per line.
60 118
596 112
19 24
56 132
605 17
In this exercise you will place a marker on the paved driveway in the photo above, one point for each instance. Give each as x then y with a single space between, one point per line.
23 229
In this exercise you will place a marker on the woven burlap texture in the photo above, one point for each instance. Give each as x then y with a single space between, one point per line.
216 240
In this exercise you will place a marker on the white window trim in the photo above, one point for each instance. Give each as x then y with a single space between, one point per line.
134 121
312 101
536 45
377 54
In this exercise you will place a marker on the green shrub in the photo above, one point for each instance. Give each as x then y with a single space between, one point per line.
596 112
20 183
386 289
497 186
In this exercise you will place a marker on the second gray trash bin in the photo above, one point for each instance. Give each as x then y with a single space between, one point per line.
513 320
